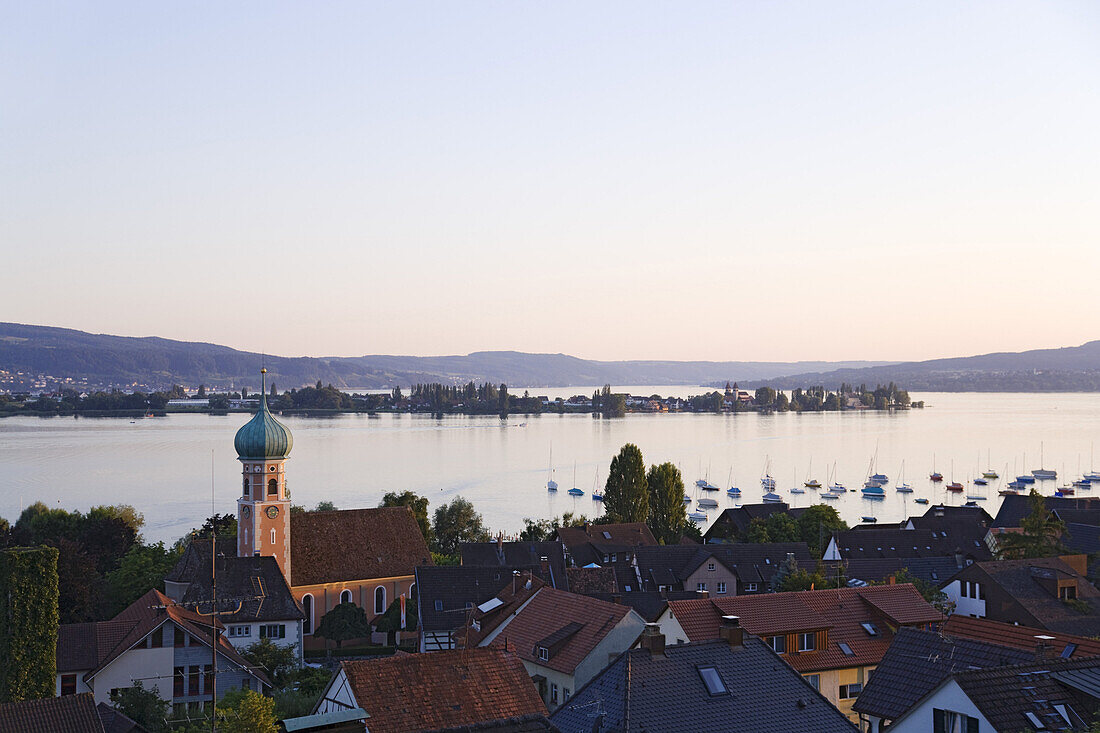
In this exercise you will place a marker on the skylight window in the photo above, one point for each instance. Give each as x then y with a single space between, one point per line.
870 629
606 535
712 680
1068 651
846 649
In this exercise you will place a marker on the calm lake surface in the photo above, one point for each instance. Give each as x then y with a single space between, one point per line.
164 466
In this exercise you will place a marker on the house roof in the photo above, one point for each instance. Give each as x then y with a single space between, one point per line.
78 644
1017 506
1083 538
69 713
932 570
918 660
671 565
937 513
1020 637
647 604
355 544
251 589
446 592
842 612
1005 695
463 687
589 581
739 518
115 722
532 723
590 543
757 563
1022 581
550 612
195 560
966 538
520 556
641 691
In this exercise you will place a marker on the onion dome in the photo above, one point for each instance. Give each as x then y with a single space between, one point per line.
263 436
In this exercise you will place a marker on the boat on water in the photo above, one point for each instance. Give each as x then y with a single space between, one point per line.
1016 485
1082 483
707 504
872 491
975 497
981 481
1063 492
1043 474
880 478
829 495
707 486
811 483
955 487
797 490
1092 476
902 487
920 500
733 491
837 488
597 496
687 499
1008 492
990 474
575 492
1025 479
771 498
935 476
698 516
767 482
868 520
551 484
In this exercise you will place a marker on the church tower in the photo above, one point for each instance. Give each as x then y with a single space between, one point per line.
263 509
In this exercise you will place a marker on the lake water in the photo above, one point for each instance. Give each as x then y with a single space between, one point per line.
164 466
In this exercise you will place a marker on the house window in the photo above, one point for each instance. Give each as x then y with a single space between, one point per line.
307 607
439 605
272 487
156 640
380 599
238 631
553 693
607 558
179 638
847 692
1068 651
778 644
273 631
193 680
68 684
246 683
750 587
700 586
814 680
710 566
207 679
565 694
345 596
177 683
807 642
947 721
712 680
721 588
614 557
544 653
1067 592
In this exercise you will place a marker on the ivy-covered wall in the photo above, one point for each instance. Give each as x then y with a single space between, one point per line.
28 623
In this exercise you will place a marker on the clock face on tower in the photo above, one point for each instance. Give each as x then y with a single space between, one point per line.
246 511
272 512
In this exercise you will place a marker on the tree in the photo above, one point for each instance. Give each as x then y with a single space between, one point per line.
455 523
543 530
202 391
757 533
816 526
28 623
246 711
324 506
781 528
786 569
278 661
418 505
344 622
626 496
390 621
142 569
667 516
1039 535
144 707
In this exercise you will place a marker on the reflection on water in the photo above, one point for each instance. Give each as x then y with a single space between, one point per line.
163 465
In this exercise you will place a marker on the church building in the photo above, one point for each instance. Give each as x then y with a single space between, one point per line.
365 556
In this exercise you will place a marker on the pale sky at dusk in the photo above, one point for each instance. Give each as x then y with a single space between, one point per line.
729 180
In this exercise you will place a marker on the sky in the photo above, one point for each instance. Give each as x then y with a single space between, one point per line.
613 180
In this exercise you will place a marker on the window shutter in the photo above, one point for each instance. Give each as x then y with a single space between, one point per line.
971 725
939 721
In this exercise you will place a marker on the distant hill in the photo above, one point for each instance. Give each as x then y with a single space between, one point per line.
157 363
1069 369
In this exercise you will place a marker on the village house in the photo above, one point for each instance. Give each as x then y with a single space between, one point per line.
72 714
962 541
563 639
719 569
447 596
159 643
604 544
430 692
730 684
833 638
544 559
733 523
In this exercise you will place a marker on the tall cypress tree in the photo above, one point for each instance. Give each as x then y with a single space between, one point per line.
626 496
667 516
28 623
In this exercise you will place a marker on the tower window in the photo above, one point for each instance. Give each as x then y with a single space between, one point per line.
245 492
307 606
272 487
273 537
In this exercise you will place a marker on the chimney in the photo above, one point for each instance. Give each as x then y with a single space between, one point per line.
653 640
891 580
616 598
544 567
731 631
1042 646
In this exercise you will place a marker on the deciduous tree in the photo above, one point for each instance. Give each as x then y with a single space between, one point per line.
455 523
344 622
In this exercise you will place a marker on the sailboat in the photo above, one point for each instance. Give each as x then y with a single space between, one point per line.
1043 474
732 491
551 484
575 491
597 495
835 486
705 484
697 516
811 483
977 495
1011 488
902 487
1025 478
935 476
766 481
954 486
989 473
1093 474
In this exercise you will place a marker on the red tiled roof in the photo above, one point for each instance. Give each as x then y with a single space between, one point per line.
841 612
70 713
355 544
84 646
550 611
1019 637
442 689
